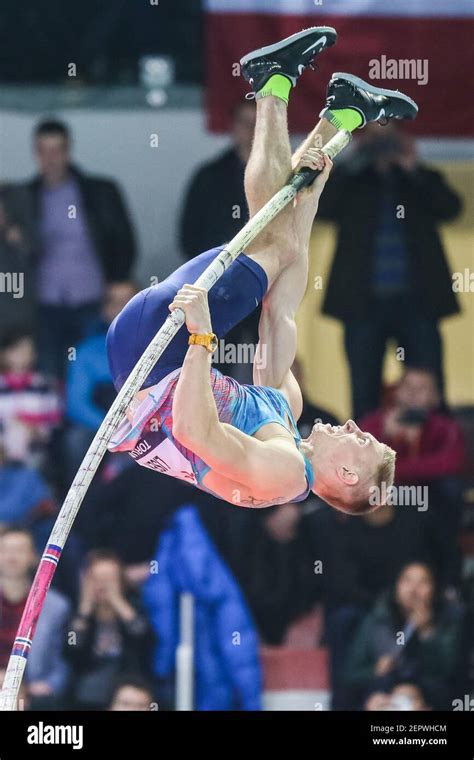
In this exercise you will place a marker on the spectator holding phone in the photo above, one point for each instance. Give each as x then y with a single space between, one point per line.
429 443
412 635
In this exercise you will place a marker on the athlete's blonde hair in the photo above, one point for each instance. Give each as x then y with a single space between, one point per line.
355 500
386 471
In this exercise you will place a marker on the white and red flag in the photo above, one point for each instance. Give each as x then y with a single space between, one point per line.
423 47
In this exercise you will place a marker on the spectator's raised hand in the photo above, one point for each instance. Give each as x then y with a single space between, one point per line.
88 598
377 701
39 689
422 616
384 665
392 427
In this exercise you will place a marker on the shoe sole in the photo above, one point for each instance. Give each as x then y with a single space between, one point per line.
269 49
375 90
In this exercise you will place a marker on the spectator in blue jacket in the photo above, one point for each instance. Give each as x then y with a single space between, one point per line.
226 659
89 388
25 497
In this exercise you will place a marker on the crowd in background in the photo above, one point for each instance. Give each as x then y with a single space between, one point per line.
387 593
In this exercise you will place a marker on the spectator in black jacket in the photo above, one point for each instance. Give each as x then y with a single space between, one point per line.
215 210
389 278
81 240
413 635
360 559
108 635
118 514
16 286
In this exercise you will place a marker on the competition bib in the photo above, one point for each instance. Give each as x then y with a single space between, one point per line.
152 448
158 453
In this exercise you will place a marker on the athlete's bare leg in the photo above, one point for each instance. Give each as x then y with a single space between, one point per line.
267 171
282 249
269 167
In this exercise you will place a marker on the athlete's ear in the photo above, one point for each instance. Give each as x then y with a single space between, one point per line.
348 476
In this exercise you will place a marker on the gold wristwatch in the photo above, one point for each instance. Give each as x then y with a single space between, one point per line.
207 340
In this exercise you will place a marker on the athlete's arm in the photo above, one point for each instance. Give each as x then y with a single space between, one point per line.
196 425
277 328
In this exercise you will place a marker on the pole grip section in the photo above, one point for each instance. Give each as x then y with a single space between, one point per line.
305 177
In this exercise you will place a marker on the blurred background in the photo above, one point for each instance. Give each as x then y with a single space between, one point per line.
130 121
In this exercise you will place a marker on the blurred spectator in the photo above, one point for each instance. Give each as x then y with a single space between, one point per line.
25 497
27 501
81 238
30 406
110 633
47 672
429 443
389 278
272 560
132 694
89 388
413 635
360 559
430 451
17 292
404 696
127 508
226 660
215 210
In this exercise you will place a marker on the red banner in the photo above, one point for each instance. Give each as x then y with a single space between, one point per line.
431 59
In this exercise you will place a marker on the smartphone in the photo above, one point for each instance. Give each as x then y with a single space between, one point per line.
414 417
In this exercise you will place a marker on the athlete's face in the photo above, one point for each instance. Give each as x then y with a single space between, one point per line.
344 458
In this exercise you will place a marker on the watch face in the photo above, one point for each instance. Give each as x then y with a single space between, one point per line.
214 343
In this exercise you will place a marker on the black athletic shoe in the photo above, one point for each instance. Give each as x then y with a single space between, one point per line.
373 103
289 57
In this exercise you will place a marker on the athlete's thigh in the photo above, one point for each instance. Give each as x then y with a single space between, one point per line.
267 257
235 295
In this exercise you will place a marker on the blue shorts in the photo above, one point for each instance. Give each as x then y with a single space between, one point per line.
234 296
